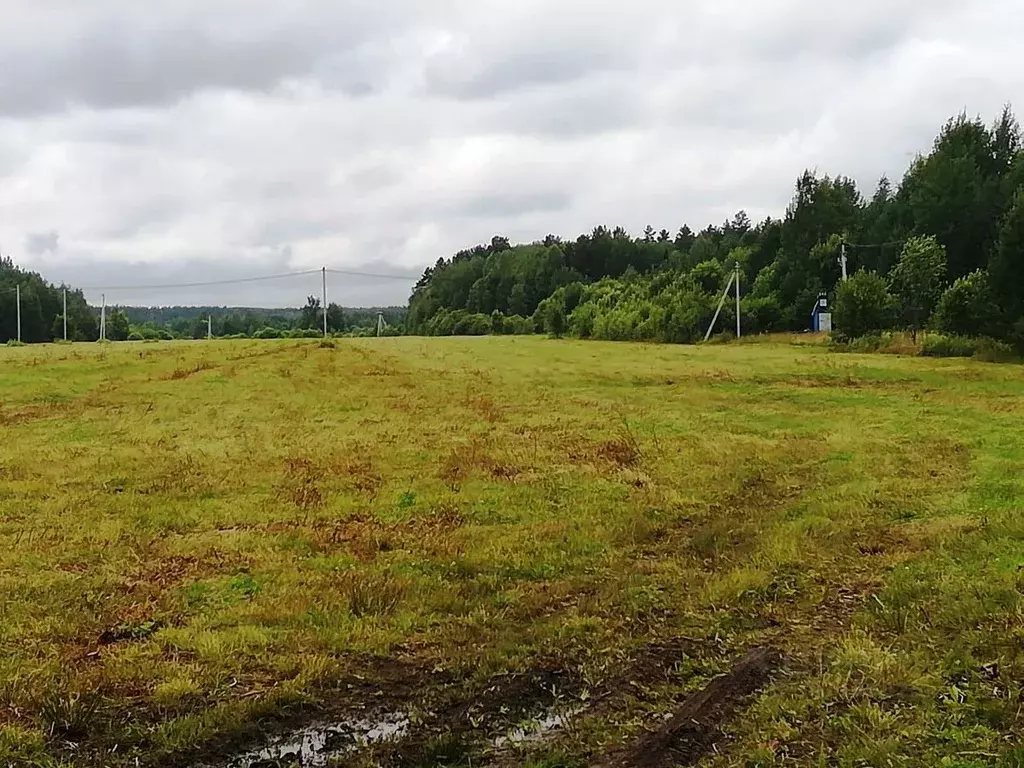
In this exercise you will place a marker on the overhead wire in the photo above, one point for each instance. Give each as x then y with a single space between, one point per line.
240 280
875 245
352 273
160 286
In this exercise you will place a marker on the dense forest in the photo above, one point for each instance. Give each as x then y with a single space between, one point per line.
943 248
42 308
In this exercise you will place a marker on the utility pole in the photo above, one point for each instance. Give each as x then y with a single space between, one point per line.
209 327
842 261
325 301
65 314
19 312
103 317
738 333
721 304
380 324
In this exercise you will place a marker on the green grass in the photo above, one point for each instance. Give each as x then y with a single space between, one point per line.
194 536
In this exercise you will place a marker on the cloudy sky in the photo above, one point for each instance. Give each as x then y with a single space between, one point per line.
178 141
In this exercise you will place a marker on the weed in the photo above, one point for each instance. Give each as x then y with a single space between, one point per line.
245 585
372 594
67 715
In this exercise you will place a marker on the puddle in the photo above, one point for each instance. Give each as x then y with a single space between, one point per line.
317 745
538 729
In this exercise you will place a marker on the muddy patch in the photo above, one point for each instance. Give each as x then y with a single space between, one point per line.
539 728
696 725
322 743
487 720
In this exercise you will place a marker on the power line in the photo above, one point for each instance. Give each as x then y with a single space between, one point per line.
351 273
240 280
876 245
234 281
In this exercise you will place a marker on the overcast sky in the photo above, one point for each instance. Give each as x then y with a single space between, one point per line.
175 141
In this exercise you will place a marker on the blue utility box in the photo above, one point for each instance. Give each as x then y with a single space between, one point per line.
821 317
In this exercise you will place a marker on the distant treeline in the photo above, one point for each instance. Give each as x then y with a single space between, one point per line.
42 319
42 308
944 247
191 322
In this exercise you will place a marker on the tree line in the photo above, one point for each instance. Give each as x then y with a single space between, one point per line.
941 248
42 308
185 322
42 318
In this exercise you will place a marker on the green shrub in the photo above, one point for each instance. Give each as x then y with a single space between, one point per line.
15 343
871 342
992 351
267 333
864 306
949 346
724 337
967 308
985 349
516 325
136 336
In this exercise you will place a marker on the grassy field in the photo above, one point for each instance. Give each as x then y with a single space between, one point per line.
202 541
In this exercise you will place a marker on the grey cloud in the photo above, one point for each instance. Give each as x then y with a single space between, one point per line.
503 205
598 105
108 55
282 231
466 76
38 243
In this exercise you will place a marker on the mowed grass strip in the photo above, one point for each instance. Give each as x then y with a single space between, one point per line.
195 535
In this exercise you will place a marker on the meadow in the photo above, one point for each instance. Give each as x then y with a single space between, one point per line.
202 543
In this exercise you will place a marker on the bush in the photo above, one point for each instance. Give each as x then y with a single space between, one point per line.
267 333
967 308
864 306
472 325
949 346
872 342
15 343
723 337
516 325
164 335
992 351
136 336
985 349
302 333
